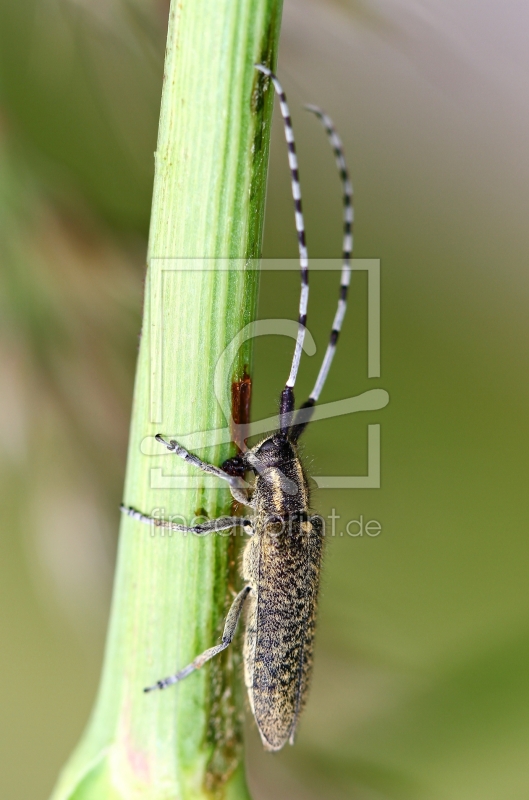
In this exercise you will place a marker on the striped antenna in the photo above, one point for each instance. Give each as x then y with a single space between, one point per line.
304 414
287 396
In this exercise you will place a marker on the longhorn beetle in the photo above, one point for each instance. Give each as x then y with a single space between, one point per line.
282 559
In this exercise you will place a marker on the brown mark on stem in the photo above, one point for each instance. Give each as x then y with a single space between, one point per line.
241 395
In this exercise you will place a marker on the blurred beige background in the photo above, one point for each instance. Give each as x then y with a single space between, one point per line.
421 686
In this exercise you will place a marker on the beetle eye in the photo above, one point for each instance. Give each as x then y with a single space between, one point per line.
267 446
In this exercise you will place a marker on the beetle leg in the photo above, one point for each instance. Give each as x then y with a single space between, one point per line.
236 483
229 631
213 525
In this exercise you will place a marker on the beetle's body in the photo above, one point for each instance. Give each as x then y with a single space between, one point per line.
281 564
281 571
282 559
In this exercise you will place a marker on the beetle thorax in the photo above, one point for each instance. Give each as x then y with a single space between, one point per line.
281 486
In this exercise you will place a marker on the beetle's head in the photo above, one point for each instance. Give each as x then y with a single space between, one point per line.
274 451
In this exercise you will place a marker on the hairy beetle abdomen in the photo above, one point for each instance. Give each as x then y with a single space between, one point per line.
283 571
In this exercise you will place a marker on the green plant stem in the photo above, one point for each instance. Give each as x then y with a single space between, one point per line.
171 592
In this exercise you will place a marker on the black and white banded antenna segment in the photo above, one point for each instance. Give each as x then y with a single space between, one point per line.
287 396
304 414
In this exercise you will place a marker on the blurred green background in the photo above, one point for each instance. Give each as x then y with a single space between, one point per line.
421 685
